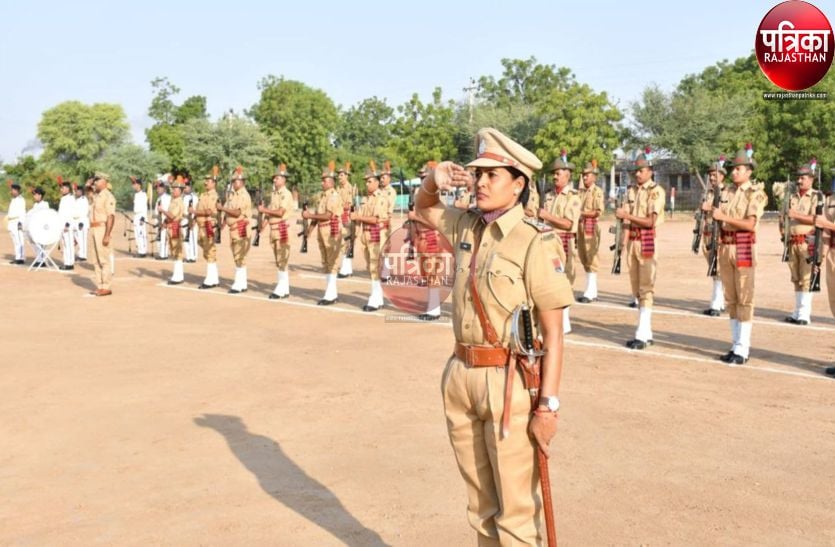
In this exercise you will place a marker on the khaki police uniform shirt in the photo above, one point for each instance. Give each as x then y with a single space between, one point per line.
564 205
805 205
280 199
347 193
176 209
104 205
646 200
206 204
239 199
374 205
532 207
329 202
390 194
742 202
515 264
592 199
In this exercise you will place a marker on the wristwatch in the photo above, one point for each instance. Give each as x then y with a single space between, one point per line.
552 402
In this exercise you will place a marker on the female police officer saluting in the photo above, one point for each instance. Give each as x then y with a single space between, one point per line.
513 261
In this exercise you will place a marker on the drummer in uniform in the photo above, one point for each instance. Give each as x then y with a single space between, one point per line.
205 215
281 203
102 219
504 262
173 221
238 211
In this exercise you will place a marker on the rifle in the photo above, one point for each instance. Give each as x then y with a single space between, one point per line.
787 196
159 221
187 237
699 227
530 361
220 214
540 188
816 259
305 228
259 225
352 231
617 229
410 253
715 232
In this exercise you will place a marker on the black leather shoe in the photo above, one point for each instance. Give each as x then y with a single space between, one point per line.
234 291
274 296
801 322
369 308
712 313
38 265
204 286
67 268
586 300
142 255
737 360
342 276
638 344
633 305
727 357
831 371
428 317
174 282
791 320
324 302
20 262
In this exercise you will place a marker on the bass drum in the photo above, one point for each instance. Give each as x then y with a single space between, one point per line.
43 227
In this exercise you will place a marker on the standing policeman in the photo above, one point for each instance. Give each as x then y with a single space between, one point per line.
739 214
716 177
644 213
588 230
205 215
281 203
173 220
329 233
238 210
801 213
347 192
102 219
372 213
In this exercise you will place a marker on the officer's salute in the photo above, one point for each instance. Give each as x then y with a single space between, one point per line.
644 213
507 262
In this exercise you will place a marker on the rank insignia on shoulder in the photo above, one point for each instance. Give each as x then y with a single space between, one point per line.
464 246
539 225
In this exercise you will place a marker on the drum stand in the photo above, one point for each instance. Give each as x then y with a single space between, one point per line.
43 257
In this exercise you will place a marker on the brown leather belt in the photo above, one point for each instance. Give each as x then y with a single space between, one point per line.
97 224
482 356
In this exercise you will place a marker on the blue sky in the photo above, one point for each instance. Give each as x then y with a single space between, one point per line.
96 51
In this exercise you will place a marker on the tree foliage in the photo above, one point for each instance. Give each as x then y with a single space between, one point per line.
167 135
128 160
424 131
300 122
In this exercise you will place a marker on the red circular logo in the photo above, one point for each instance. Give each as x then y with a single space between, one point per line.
794 45
419 265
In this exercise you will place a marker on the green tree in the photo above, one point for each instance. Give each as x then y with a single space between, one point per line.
300 122
583 122
75 136
523 82
131 160
31 173
228 143
424 131
166 136
366 127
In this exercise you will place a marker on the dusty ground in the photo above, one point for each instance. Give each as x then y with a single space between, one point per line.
174 416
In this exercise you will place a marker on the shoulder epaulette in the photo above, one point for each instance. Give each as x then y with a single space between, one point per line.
538 225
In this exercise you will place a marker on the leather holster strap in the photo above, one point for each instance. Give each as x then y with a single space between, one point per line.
482 356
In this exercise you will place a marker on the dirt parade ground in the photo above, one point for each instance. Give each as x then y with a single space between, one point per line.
175 416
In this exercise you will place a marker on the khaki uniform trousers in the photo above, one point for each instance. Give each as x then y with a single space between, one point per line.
738 283
504 505
281 251
101 258
801 271
588 248
829 264
240 245
642 272
570 260
371 251
175 245
207 244
330 249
